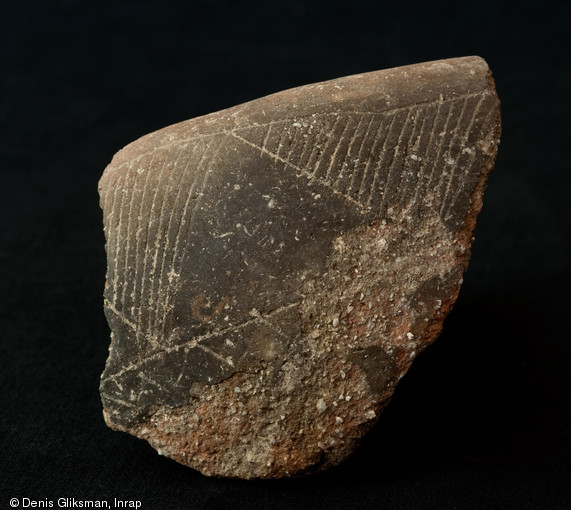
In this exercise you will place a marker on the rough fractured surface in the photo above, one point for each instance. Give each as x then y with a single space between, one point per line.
274 268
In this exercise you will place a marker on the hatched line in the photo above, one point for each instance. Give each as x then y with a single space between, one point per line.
392 163
132 190
293 144
220 358
436 164
118 401
124 320
416 166
153 277
326 147
130 222
335 151
266 137
182 222
348 152
454 140
320 138
421 171
114 231
303 172
359 155
470 162
462 144
146 251
281 140
309 136
141 267
174 208
120 276
372 160
388 111
407 176
380 162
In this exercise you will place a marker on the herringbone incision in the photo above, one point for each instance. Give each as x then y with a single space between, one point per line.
273 255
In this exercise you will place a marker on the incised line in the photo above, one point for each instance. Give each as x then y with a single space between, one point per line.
194 342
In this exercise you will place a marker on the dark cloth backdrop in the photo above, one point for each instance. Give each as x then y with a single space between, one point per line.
483 418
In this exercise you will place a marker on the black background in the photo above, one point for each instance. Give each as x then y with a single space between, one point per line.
482 420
